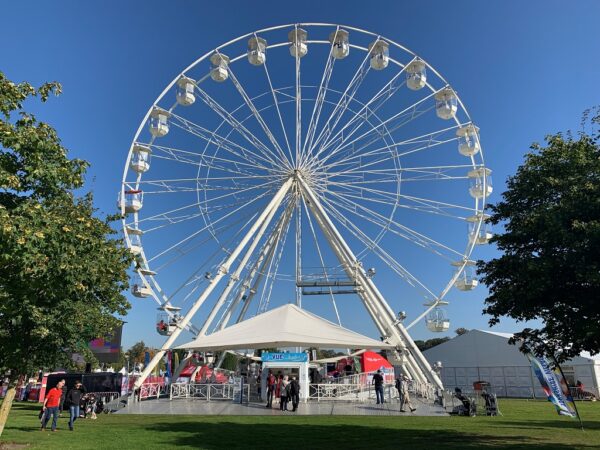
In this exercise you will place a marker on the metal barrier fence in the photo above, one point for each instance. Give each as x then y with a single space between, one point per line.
366 392
584 394
208 391
152 390
104 397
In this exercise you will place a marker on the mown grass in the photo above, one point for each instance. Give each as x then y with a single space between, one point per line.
524 425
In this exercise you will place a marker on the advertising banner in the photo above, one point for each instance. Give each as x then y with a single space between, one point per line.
284 357
107 348
555 386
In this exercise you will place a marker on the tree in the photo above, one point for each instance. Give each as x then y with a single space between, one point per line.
550 263
424 345
61 274
460 331
137 352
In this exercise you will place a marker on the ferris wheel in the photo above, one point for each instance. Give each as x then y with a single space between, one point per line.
312 163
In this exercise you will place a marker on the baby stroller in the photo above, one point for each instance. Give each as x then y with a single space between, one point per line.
491 403
467 406
90 405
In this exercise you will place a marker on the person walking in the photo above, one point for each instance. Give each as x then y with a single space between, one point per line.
378 382
284 393
51 405
62 397
73 400
295 393
404 396
398 385
271 382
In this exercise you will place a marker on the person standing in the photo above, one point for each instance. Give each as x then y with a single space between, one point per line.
270 389
73 400
398 385
51 405
378 382
278 384
404 396
283 392
295 393
62 397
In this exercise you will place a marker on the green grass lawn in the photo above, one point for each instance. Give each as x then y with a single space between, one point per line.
524 425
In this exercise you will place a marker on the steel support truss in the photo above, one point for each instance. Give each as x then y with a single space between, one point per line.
405 353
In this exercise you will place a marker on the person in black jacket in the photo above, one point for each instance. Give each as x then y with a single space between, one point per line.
62 397
73 399
295 393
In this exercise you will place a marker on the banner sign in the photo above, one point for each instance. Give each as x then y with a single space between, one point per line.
284 357
555 386
107 348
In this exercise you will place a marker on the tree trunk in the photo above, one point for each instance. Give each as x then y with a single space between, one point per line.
7 404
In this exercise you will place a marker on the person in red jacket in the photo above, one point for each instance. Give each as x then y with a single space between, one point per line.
270 389
51 405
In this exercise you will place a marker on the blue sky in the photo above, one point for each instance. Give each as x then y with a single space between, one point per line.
523 69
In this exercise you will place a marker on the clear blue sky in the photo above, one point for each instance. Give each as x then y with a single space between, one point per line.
523 69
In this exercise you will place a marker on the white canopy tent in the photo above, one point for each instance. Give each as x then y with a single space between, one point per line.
286 326
481 355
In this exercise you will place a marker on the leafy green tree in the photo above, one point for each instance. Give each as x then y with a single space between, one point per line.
136 353
429 343
550 264
61 272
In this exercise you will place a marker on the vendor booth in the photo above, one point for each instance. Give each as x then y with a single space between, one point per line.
290 364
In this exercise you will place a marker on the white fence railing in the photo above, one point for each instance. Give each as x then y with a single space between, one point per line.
366 392
151 390
209 392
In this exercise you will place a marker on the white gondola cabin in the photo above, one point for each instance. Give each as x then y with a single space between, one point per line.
466 281
483 235
437 321
159 122
297 38
185 91
220 67
379 52
135 240
416 75
257 50
446 103
481 182
130 201
167 320
340 44
468 140
140 158
139 288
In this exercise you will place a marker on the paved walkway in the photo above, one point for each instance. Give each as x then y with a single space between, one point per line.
228 408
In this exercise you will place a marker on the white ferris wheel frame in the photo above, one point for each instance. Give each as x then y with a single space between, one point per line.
383 316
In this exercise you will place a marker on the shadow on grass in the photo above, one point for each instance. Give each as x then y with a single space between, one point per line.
551 424
295 436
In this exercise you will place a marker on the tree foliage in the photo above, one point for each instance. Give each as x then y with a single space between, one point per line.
62 272
429 343
550 263
460 331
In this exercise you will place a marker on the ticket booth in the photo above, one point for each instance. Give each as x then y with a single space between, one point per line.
290 364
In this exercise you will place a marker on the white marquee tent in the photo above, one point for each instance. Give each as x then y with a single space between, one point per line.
286 326
486 356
